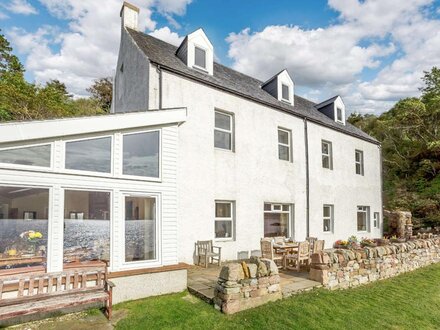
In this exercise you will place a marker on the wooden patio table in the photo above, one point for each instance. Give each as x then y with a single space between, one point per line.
285 248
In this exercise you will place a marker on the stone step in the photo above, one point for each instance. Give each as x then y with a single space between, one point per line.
206 294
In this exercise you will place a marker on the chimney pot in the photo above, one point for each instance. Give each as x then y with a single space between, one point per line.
129 16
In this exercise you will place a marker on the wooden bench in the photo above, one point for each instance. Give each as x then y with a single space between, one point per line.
27 294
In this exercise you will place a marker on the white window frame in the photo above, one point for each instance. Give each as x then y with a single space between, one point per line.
30 167
376 220
231 219
198 67
288 92
93 173
141 263
278 208
289 141
366 210
329 154
138 177
342 115
231 131
330 219
360 162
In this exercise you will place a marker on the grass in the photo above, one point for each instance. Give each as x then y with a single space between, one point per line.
409 301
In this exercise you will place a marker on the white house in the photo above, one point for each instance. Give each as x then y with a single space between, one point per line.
192 151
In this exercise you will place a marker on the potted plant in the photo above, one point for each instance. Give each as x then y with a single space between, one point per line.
341 244
353 242
382 241
368 242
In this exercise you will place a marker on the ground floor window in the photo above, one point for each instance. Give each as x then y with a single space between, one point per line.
363 214
327 216
24 214
140 228
86 225
224 219
376 220
277 219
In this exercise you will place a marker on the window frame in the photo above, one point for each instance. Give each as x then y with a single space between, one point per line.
121 163
288 92
50 168
329 155
141 263
367 218
376 219
330 218
198 67
360 162
231 219
289 145
291 226
83 172
231 132
342 115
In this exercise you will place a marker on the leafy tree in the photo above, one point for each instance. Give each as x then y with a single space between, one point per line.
101 91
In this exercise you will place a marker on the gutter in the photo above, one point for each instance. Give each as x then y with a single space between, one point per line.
306 139
205 82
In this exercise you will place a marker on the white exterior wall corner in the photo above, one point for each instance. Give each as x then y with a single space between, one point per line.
131 84
342 187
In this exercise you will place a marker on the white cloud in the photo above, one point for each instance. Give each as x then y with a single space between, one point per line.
3 16
20 7
167 35
89 48
332 59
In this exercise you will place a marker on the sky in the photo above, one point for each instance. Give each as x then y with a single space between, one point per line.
371 52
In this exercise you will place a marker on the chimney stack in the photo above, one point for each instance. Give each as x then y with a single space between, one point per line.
129 16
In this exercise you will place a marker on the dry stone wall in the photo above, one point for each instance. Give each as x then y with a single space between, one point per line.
342 268
247 285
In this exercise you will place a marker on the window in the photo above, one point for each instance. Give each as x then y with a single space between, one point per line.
363 218
285 93
200 57
223 132
24 214
327 155
94 155
327 216
224 219
339 114
284 144
359 162
86 225
140 228
141 154
277 219
32 156
376 220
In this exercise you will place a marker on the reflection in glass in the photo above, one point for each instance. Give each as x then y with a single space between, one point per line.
32 156
140 228
141 154
23 226
86 225
89 155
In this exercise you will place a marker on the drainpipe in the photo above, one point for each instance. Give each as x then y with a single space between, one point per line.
381 188
159 69
306 140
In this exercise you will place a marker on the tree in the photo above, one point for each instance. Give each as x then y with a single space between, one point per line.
102 91
8 61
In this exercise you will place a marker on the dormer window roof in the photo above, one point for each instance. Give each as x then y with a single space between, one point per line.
280 86
197 52
334 108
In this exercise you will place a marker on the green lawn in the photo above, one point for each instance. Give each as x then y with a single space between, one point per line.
409 301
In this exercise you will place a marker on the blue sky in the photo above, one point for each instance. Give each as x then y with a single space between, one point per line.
371 52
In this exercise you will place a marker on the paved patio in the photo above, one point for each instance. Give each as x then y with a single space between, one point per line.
202 281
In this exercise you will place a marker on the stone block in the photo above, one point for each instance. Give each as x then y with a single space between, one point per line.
274 279
262 269
232 272
231 307
273 288
258 292
319 275
252 270
263 281
271 266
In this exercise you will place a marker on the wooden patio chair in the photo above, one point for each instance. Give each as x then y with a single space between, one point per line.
205 251
267 251
293 261
318 246
311 241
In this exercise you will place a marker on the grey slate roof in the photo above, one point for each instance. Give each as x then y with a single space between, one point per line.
326 102
164 54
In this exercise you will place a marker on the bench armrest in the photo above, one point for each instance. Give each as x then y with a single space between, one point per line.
217 247
110 284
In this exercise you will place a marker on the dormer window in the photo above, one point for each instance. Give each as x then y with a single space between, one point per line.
339 114
285 93
200 58
333 108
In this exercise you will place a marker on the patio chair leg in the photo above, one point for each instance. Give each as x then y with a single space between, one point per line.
206 261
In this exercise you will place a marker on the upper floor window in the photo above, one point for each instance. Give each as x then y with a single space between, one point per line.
327 154
200 57
359 161
284 144
141 154
339 114
31 156
327 217
224 219
376 220
363 218
285 95
93 155
223 131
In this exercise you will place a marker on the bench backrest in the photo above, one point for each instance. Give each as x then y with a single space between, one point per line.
204 246
32 285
